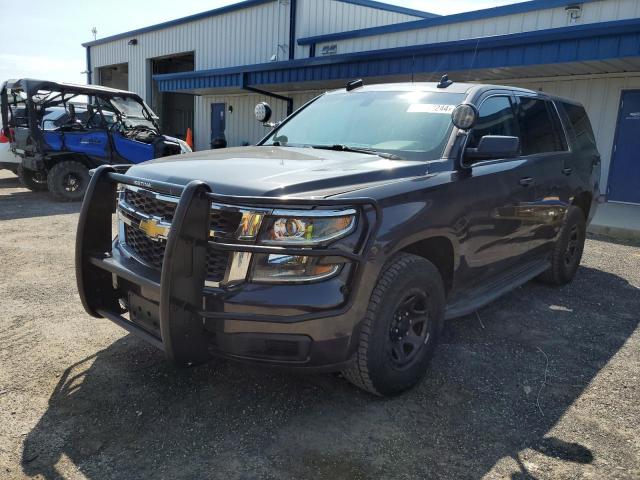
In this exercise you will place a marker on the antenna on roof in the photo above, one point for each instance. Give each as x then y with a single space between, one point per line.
352 85
94 30
444 81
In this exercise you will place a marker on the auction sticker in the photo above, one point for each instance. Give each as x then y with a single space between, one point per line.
430 108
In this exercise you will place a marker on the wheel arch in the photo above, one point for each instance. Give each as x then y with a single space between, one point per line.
583 201
439 248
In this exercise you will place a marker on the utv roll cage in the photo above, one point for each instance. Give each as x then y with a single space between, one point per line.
38 95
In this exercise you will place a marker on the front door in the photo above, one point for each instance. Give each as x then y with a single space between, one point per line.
218 125
624 177
499 194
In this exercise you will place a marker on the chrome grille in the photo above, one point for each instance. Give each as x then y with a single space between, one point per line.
150 205
224 224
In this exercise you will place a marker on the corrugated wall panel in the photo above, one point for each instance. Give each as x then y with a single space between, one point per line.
241 37
602 11
601 97
318 17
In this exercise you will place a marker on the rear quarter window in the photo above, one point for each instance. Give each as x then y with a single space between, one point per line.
540 127
583 136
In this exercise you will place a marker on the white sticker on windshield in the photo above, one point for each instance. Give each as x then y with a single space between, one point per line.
430 108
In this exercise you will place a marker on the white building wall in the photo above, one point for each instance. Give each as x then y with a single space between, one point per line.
319 17
241 37
593 12
600 94
241 125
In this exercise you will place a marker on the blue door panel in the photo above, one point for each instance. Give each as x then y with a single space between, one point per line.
218 121
54 140
94 144
624 178
132 150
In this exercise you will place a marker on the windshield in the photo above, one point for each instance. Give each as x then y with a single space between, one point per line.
411 125
133 113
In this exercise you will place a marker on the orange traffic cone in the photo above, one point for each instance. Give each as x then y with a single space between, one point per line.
189 138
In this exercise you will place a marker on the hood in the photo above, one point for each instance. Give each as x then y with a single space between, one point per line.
278 171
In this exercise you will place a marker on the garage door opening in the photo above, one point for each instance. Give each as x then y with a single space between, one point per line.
114 76
175 109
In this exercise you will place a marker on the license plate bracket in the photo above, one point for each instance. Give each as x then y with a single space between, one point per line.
145 314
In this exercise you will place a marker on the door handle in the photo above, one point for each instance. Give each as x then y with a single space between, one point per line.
525 182
567 171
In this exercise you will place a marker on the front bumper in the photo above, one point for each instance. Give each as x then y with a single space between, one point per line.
303 326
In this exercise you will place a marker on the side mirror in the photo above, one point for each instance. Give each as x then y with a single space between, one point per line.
493 146
263 112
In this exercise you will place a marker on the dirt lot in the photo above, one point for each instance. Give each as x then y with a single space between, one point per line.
544 383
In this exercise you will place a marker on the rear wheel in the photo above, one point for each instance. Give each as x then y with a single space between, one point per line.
567 251
401 328
68 181
32 179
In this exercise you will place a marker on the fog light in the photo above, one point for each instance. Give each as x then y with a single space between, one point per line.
276 268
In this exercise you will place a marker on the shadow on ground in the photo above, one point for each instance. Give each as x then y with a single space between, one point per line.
497 385
18 202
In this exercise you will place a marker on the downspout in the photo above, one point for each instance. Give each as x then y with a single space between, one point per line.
289 100
292 29
88 65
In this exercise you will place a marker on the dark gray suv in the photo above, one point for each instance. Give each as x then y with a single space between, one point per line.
346 237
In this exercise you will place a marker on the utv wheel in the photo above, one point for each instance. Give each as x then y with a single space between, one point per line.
31 179
567 251
68 181
401 327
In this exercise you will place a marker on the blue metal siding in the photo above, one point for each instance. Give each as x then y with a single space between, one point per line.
560 45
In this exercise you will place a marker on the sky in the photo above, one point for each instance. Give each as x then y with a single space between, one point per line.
44 41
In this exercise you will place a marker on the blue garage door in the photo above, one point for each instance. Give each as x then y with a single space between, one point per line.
624 179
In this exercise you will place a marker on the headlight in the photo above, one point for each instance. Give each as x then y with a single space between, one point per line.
301 228
291 268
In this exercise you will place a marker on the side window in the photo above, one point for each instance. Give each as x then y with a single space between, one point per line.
540 127
496 118
584 137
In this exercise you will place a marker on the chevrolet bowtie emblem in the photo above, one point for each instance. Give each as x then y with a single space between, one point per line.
154 229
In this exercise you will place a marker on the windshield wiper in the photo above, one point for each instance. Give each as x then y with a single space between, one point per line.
347 148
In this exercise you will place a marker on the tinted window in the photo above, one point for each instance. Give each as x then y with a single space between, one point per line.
583 133
496 118
540 128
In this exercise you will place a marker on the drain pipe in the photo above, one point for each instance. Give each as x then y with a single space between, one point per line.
289 100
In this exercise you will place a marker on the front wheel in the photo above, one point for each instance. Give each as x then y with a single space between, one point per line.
567 251
68 181
32 179
401 327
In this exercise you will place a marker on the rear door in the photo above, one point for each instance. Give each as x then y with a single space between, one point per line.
544 146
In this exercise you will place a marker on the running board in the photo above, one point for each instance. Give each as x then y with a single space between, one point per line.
487 293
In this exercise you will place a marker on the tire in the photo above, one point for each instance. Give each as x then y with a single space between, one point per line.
567 251
383 364
35 181
68 181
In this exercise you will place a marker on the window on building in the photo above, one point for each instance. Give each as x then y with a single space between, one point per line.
496 118
584 137
540 127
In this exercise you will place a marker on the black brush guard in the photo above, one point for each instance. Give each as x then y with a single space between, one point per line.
181 287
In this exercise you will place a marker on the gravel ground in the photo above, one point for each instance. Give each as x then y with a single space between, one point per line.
543 383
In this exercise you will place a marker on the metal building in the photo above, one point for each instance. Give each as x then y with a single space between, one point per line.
207 71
